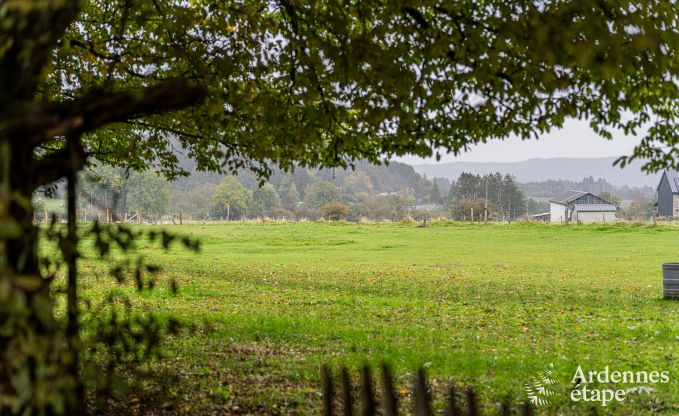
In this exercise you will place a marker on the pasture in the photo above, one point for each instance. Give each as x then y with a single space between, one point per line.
487 305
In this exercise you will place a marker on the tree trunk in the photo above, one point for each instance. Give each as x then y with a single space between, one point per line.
22 249
71 257
35 352
32 350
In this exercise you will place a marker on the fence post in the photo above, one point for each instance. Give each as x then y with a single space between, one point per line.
472 406
422 399
328 390
389 393
506 407
368 399
388 400
453 409
347 395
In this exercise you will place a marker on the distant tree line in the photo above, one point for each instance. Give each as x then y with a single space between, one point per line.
375 192
119 191
392 192
388 192
550 188
641 207
487 197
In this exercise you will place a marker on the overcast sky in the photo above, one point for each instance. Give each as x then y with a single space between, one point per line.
576 139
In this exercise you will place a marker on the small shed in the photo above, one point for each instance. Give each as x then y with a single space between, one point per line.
580 206
668 194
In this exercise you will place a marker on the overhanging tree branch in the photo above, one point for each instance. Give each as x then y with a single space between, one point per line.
58 164
41 122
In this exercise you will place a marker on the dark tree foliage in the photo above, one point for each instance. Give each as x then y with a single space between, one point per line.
351 80
278 83
435 196
499 194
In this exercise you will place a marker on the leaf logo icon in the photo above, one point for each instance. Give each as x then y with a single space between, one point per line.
538 390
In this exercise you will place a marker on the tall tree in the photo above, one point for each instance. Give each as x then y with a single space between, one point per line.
500 194
451 194
264 200
641 208
435 196
290 81
106 187
514 203
319 193
149 194
290 198
231 199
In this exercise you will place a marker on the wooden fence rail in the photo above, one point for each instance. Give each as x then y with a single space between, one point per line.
371 404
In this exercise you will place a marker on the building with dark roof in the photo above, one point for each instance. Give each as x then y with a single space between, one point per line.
580 206
668 194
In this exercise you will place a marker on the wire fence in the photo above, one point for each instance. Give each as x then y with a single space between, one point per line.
339 398
107 216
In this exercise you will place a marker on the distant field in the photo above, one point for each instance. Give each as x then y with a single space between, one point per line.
489 305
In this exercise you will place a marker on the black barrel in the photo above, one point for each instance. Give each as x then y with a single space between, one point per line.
670 280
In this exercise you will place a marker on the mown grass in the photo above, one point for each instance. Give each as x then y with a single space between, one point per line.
486 305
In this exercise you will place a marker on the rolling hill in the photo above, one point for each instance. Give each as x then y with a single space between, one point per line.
536 170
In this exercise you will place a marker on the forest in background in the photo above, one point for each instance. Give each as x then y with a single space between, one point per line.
384 193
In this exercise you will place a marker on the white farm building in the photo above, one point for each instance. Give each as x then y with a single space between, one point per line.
580 206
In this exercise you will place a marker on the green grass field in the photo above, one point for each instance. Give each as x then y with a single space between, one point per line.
488 305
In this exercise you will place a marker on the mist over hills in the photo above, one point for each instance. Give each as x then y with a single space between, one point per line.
538 170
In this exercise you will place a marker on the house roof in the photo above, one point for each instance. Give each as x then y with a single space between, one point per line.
673 179
595 207
567 197
570 196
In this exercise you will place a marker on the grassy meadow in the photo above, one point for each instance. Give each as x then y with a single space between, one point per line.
487 305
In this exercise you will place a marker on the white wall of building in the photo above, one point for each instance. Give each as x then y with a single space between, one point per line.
594 216
557 212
